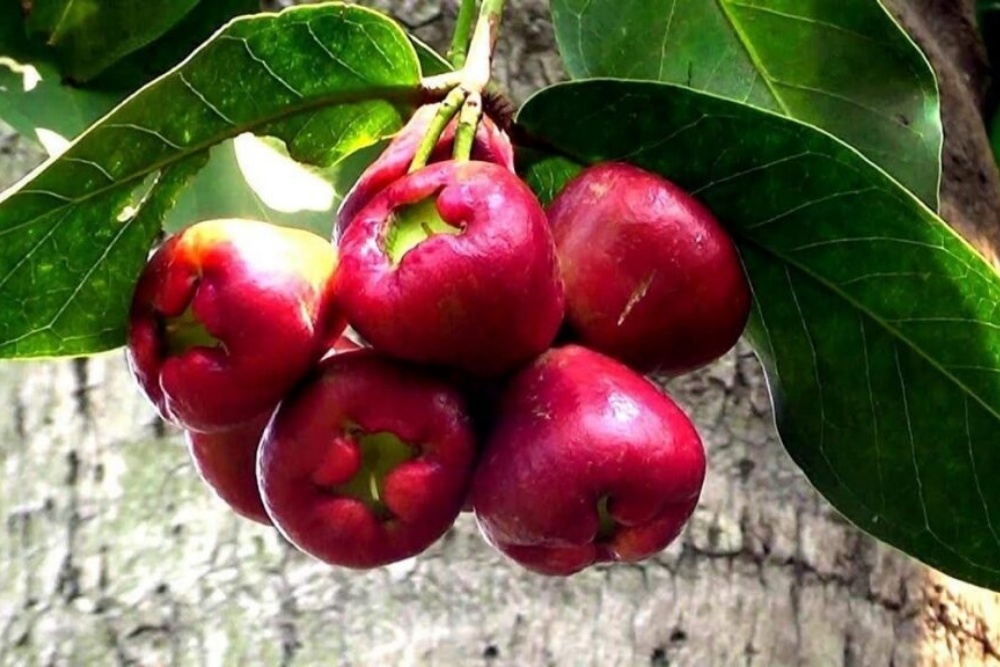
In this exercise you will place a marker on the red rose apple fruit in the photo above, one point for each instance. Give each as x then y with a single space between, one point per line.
652 278
491 145
227 463
453 265
227 460
227 317
588 463
368 462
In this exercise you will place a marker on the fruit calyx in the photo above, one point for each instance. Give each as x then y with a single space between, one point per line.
185 332
607 527
377 456
412 224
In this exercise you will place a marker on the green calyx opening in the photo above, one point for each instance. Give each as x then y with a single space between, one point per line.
381 453
606 525
412 225
185 332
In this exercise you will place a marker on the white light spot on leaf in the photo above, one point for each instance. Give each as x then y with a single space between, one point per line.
282 183
127 213
30 76
53 142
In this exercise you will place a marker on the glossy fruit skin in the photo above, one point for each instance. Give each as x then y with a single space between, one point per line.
484 301
264 294
227 463
652 278
309 448
491 145
574 427
227 460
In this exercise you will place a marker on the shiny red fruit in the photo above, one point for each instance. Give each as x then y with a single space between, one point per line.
368 462
491 145
227 462
453 265
227 317
652 278
588 463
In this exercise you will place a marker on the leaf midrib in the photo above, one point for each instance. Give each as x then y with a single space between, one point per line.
895 332
752 54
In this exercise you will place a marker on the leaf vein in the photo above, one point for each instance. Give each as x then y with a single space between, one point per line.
204 100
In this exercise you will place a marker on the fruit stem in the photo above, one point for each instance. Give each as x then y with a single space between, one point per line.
468 123
478 69
459 49
470 82
447 110
476 76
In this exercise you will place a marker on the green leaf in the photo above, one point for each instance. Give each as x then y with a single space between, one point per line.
988 15
66 277
431 62
254 178
172 47
247 178
878 327
843 66
91 35
32 95
38 102
545 174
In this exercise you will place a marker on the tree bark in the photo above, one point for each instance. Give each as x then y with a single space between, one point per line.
114 553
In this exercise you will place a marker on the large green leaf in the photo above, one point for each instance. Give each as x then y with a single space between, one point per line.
842 65
91 35
879 328
38 104
326 79
139 67
32 94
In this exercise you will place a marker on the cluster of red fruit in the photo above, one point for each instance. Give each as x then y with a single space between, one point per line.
498 370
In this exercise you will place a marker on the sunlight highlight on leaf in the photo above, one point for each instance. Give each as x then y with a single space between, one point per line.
281 183
53 142
29 74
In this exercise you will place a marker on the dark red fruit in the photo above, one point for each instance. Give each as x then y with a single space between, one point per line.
227 462
227 316
491 145
367 463
588 463
652 278
453 265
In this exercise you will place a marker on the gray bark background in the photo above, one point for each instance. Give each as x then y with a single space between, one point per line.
113 553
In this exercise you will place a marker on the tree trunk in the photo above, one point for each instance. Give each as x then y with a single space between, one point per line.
114 553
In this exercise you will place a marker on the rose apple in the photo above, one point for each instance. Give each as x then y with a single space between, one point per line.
368 462
453 265
491 145
652 278
227 316
227 462
588 463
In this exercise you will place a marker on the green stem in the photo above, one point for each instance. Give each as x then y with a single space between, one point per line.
470 81
478 68
463 31
468 123
447 110
493 9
